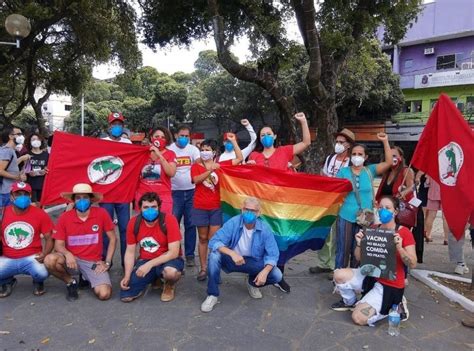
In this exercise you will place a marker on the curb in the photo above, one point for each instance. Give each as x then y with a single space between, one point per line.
423 276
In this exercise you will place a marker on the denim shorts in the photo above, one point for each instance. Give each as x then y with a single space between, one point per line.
205 218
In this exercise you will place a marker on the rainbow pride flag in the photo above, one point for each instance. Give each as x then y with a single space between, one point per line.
300 208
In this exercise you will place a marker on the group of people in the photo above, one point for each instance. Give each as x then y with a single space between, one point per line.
180 182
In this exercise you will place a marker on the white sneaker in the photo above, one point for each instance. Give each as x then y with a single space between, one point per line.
461 269
209 303
254 292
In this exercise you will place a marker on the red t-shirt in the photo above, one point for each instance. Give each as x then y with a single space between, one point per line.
207 195
278 160
84 238
153 242
153 178
21 232
407 240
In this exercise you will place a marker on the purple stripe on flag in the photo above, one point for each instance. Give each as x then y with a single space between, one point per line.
81 240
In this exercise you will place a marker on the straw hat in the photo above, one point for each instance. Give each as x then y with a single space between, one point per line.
348 134
82 188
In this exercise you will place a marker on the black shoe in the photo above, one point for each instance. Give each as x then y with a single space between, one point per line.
6 289
190 261
38 289
340 306
72 293
318 270
283 286
83 284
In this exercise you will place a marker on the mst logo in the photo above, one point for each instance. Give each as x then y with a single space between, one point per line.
105 170
450 161
19 235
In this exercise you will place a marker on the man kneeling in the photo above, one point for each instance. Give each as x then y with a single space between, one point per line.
244 244
79 242
159 239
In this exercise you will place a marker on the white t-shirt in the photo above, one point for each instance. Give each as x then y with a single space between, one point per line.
332 165
225 156
121 140
184 160
244 246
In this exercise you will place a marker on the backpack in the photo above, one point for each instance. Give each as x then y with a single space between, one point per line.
161 221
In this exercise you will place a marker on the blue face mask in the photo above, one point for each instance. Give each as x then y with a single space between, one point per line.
249 217
116 130
22 202
150 214
82 205
182 141
229 147
385 215
267 141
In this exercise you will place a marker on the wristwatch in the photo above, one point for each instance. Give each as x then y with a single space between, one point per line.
107 263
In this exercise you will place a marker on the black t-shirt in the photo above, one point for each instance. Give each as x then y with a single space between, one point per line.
38 162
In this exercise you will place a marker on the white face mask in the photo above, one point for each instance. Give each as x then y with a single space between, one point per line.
207 155
339 148
357 160
20 139
36 143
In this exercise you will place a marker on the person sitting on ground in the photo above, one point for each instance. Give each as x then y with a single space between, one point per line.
378 299
23 253
158 236
79 244
244 244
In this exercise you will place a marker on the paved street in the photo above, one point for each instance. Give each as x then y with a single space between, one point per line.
301 320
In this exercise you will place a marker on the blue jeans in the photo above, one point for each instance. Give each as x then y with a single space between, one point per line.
4 202
9 267
123 216
345 243
137 284
252 267
182 206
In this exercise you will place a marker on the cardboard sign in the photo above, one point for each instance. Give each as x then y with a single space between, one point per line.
378 254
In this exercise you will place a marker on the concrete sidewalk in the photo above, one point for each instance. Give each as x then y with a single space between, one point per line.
301 320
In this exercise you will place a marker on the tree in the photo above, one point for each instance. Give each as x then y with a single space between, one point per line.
67 39
331 34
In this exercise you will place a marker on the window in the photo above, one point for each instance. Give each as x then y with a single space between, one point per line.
446 62
409 63
417 106
67 107
407 106
432 104
470 104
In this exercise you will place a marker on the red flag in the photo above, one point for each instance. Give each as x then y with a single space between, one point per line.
112 168
445 152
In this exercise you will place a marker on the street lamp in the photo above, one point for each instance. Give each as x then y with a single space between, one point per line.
18 27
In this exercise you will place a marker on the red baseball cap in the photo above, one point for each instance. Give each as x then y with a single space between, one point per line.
116 116
21 186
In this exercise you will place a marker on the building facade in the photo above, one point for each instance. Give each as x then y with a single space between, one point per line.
55 109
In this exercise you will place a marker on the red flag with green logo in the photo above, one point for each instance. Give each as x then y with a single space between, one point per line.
445 152
110 167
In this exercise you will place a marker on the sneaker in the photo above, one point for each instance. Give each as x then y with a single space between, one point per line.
319 270
168 292
461 269
209 303
341 306
190 261
72 293
38 289
254 292
404 313
283 286
83 284
6 289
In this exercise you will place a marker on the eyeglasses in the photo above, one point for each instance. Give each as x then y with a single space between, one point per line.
250 210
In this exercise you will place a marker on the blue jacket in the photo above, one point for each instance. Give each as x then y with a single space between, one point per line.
264 245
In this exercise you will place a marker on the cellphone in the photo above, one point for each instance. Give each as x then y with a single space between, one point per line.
94 266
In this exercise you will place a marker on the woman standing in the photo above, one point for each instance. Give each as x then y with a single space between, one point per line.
279 158
157 173
432 208
36 167
206 212
359 199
